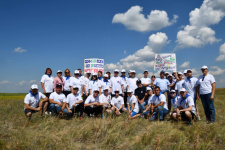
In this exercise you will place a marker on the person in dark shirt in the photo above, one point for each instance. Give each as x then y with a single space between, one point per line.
141 95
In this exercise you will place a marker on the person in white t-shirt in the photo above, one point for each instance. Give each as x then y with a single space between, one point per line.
118 103
86 85
47 82
158 105
206 88
185 108
132 81
146 81
117 83
92 104
179 83
125 79
105 101
74 103
66 78
146 112
58 101
174 100
32 102
106 83
81 77
75 81
132 105
185 73
95 84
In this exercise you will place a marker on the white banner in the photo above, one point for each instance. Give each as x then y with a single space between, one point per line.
165 62
93 65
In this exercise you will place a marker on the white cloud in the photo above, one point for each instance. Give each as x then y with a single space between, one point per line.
221 57
22 82
185 65
143 58
19 50
32 81
198 33
133 19
216 70
4 82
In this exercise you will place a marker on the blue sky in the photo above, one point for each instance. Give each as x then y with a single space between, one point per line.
35 35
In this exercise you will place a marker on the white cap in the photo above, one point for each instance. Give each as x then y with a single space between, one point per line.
172 91
189 70
75 87
185 71
59 71
129 91
180 73
129 71
167 73
88 72
170 75
96 90
148 89
94 74
133 71
123 70
34 86
174 71
116 70
204 67
117 90
182 90
106 88
76 72
105 75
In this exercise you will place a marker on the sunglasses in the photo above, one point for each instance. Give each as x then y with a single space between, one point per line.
172 93
116 92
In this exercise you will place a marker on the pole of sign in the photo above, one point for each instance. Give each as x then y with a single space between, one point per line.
84 67
154 66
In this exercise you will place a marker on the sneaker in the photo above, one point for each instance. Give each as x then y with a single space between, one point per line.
152 119
207 122
189 124
198 118
102 116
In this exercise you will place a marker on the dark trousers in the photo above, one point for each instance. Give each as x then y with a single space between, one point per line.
93 110
84 97
66 93
47 95
169 101
125 99
208 106
79 109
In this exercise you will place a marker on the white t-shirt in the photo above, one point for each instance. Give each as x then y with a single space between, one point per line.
132 83
174 102
66 84
133 100
76 82
81 78
125 79
150 99
105 99
71 99
186 103
105 85
91 99
179 85
33 101
117 101
86 84
48 83
94 85
58 98
206 84
162 83
146 81
116 83
158 99
190 86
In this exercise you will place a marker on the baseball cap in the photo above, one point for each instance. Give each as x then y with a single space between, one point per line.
129 91
180 73
34 86
94 74
172 91
106 88
148 89
133 71
96 90
123 70
59 71
182 90
174 71
76 72
117 90
170 75
58 85
105 75
167 73
204 67
88 72
185 71
129 71
138 81
189 70
116 70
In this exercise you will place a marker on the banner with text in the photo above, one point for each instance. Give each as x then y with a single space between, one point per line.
93 65
165 62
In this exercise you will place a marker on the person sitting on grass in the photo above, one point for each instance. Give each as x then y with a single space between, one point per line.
158 105
146 112
174 100
92 104
140 93
185 108
132 105
58 101
118 103
32 102
74 103
105 100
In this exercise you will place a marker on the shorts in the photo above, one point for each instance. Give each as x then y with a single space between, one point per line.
133 114
183 116
28 110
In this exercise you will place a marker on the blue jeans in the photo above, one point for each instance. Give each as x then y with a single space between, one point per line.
161 111
56 109
208 106
142 106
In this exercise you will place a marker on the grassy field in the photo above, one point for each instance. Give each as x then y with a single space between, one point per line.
109 133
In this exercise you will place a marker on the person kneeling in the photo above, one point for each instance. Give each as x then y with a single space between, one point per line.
185 107
132 105
92 104
158 105
105 100
32 102
174 100
118 104
74 103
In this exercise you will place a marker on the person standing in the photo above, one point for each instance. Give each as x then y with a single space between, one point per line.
100 76
117 83
131 83
125 79
94 84
106 83
206 88
146 81
76 82
86 85
179 83
47 82
59 80
81 77
66 78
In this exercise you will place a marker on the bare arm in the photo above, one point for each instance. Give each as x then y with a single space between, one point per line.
213 90
43 87
31 108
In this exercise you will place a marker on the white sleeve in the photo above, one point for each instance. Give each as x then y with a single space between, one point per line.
71 82
176 86
122 100
26 99
155 82
149 100
212 80
112 102
64 98
135 100
100 83
51 96
88 100
80 98
178 102
43 79
163 98
90 85
42 96
122 82
190 101
68 99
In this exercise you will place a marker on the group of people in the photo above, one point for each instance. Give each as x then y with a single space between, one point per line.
97 95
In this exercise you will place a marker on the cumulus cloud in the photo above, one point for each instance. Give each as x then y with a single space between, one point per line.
143 58
20 50
133 19
4 82
22 82
221 57
32 81
215 70
199 33
185 65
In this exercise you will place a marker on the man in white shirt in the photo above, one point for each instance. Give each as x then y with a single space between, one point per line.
118 103
162 83
106 83
125 79
146 81
185 107
179 83
75 81
206 88
105 101
86 84
57 101
132 105
74 103
158 105
117 83
150 94
131 84
92 104
81 77
32 102
174 100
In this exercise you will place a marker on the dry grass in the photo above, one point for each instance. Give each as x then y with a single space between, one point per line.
109 133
